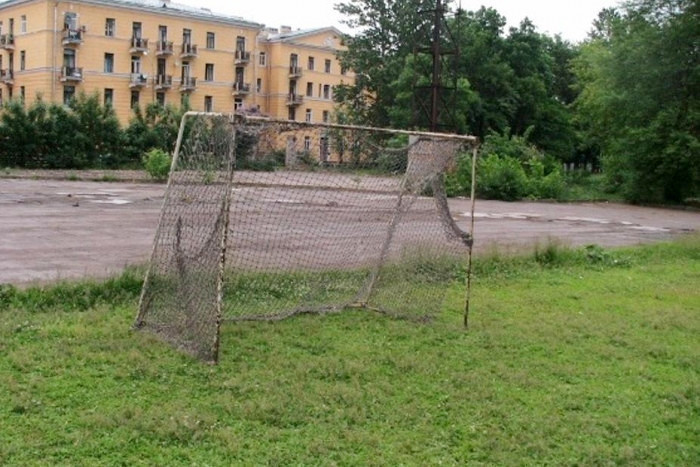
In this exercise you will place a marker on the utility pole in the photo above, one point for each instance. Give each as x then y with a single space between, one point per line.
435 106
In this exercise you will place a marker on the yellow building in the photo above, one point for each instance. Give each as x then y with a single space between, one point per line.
134 52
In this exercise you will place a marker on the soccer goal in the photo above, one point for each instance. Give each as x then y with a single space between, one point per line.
266 219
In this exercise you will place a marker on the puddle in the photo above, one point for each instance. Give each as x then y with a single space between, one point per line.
118 202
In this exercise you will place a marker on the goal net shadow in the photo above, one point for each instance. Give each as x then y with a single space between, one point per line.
267 219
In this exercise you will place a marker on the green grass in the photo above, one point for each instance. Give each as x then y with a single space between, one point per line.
573 357
584 186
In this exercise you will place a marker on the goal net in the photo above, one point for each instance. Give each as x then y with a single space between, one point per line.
266 219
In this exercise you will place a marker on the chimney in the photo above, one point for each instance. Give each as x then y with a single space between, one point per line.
285 29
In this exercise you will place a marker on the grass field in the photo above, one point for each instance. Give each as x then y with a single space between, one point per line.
573 357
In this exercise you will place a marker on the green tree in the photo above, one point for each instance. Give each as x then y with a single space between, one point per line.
97 133
640 97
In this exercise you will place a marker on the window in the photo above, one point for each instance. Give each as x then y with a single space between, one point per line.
292 115
258 85
211 40
309 89
109 97
110 27
328 66
22 60
1 97
68 58
326 116
136 30
134 99
109 63
323 146
262 59
70 22
160 98
68 94
208 104
23 24
136 65
237 103
187 36
326 91
293 60
22 94
162 33
311 63
309 116
185 101
240 43
0 27
343 70
209 72
307 143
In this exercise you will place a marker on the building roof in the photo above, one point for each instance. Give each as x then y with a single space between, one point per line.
163 6
289 36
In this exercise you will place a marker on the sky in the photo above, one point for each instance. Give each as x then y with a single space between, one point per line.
570 18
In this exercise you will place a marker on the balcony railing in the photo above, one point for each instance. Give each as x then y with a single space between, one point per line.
294 99
240 88
7 41
69 73
294 71
188 51
242 57
138 45
138 80
164 48
188 84
7 76
163 82
72 36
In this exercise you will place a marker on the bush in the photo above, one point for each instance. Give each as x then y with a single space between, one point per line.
157 163
502 178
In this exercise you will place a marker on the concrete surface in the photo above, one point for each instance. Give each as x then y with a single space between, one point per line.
52 230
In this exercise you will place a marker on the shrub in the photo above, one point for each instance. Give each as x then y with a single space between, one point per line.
502 178
157 163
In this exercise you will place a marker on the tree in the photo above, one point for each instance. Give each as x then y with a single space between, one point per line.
640 97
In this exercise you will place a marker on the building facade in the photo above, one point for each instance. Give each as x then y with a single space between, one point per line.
135 52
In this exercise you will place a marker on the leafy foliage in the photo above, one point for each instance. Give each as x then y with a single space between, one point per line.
640 97
157 163
84 134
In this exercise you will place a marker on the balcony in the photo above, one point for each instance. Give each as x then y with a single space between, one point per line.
241 89
188 84
164 48
71 74
294 71
294 99
72 37
138 81
138 46
7 42
188 51
163 82
242 57
7 77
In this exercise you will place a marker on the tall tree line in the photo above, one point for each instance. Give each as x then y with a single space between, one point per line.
625 99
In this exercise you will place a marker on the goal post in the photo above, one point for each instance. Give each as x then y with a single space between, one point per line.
264 219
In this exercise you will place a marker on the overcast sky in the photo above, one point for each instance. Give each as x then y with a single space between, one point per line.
571 18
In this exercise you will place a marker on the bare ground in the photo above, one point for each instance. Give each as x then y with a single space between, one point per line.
56 229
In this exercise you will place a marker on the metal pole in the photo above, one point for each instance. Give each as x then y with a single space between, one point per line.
471 233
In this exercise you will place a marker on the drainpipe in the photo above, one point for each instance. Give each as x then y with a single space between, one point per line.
53 53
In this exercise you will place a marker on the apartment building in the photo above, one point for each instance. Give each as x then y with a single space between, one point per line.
134 52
